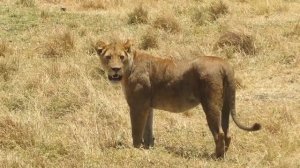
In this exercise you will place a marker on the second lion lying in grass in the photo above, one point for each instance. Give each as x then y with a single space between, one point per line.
176 86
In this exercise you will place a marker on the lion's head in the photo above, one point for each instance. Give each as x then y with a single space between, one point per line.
115 57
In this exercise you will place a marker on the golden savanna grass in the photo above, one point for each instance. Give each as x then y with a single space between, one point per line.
58 109
4 49
167 23
139 15
149 40
238 41
59 44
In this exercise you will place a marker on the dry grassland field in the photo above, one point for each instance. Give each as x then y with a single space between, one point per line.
57 108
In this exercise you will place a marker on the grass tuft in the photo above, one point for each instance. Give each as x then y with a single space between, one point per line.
269 7
14 134
167 23
201 16
45 14
93 4
139 15
64 101
217 9
4 49
294 32
149 40
59 44
237 42
26 3
8 68
15 103
99 4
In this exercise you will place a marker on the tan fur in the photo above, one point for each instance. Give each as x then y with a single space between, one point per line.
176 86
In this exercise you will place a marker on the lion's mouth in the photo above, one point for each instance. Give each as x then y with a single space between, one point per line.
115 77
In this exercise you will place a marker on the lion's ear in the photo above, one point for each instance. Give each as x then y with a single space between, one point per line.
99 47
128 45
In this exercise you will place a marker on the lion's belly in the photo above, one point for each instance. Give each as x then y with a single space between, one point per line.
179 101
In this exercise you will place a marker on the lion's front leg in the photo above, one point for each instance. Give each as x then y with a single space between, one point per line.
148 131
138 117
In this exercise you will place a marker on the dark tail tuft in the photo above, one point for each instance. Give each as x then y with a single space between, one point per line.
256 127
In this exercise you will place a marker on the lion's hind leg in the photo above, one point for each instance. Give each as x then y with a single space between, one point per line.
225 124
212 105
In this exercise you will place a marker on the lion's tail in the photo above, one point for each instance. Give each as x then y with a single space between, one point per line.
230 103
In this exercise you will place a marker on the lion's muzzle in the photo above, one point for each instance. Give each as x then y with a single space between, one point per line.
115 74
115 77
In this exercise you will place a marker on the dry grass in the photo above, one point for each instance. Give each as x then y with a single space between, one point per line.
8 67
93 4
59 44
26 3
168 23
208 14
149 40
217 9
201 16
14 134
98 4
62 111
294 32
267 7
4 49
139 15
45 14
239 42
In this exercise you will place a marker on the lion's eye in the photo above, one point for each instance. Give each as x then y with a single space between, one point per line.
122 57
107 57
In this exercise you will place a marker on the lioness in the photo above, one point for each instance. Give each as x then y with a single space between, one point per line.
176 86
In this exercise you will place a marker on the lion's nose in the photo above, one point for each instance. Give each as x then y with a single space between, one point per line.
116 69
